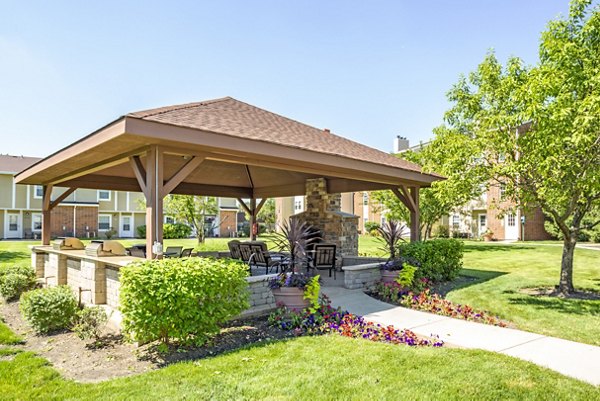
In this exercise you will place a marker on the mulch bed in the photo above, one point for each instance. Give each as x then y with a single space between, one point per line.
115 357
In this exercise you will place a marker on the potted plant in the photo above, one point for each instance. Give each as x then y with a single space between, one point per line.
293 288
488 235
391 235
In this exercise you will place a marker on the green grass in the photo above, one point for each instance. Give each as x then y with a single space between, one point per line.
311 368
505 269
7 337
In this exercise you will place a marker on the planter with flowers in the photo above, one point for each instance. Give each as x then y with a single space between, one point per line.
293 288
488 235
397 270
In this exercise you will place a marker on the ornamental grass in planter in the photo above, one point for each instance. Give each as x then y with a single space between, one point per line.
293 288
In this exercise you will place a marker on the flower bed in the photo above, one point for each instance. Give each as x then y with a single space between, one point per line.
434 303
329 320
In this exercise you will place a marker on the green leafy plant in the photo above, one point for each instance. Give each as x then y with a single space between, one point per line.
311 292
441 231
14 280
293 239
371 226
89 323
110 233
182 299
406 275
49 309
438 259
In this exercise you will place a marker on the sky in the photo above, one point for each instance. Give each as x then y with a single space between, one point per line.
366 70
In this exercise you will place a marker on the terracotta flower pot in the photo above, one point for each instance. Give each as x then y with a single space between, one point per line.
389 276
291 297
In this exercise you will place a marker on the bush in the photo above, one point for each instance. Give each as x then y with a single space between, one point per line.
90 322
371 225
183 299
438 259
554 231
170 231
14 280
141 231
441 231
109 234
49 309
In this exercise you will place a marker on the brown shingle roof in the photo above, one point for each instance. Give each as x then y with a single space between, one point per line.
14 164
232 117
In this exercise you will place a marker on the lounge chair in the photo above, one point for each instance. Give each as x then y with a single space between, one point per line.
186 253
234 249
173 251
323 257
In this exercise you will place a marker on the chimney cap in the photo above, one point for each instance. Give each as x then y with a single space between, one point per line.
327 130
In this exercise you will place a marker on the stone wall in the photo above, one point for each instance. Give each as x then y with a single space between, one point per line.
361 276
112 286
323 211
74 274
261 298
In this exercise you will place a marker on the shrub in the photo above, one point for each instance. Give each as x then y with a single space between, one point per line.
14 280
438 259
90 322
554 231
183 299
441 231
109 234
170 231
371 226
141 231
49 309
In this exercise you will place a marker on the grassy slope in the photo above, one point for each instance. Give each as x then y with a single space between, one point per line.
312 368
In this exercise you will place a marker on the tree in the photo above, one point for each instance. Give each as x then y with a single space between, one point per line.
460 186
537 129
193 209
267 215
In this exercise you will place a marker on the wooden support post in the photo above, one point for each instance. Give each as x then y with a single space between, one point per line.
154 200
253 226
415 228
46 214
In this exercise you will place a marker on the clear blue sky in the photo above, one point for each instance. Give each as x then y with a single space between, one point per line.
367 70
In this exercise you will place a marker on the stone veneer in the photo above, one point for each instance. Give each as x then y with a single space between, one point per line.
323 211
361 276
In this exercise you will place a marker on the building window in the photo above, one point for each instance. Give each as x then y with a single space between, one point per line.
36 222
103 195
365 199
104 221
510 219
298 204
502 191
38 191
455 221
13 222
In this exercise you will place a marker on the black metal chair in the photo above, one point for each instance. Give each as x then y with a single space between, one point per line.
245 252
137 252
261 257
173 251
323 257
186 253
234 249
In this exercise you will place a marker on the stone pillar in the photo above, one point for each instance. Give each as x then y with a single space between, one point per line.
93 282
37 262
55 269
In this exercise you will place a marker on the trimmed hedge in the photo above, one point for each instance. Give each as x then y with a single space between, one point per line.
49 309
15 280
183 299
439 259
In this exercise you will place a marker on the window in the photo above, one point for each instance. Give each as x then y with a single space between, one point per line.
510 220
38 191
36 222
104 221
103 195
365 199
13 222
502 191
298 203
455 221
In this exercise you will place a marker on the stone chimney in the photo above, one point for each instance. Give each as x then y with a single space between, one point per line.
323 212
400 144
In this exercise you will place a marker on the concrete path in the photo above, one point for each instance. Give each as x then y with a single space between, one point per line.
577 360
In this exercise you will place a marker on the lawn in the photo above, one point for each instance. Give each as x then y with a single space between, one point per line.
309 368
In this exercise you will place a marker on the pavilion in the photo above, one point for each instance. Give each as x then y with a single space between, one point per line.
222 147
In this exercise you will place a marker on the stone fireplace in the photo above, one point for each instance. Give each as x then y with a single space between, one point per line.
323 211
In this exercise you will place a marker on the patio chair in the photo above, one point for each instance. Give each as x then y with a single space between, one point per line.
186 253
323 257
173 251
234 249
261 257
245 252
137 252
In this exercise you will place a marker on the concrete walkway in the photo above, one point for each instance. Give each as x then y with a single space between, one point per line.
577 360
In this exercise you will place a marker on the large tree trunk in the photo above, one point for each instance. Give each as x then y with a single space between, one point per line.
565 286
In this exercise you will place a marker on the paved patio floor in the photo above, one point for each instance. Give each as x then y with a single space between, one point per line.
577 360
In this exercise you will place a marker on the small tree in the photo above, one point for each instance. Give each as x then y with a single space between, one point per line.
193 209
267 215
